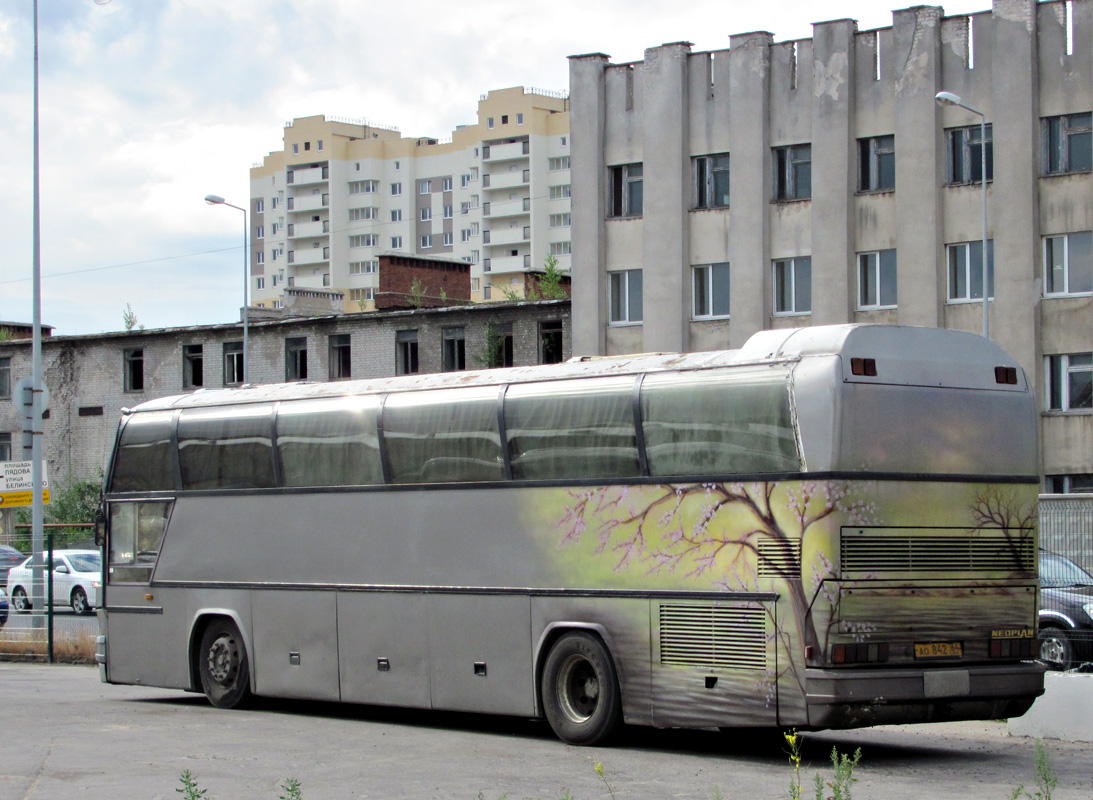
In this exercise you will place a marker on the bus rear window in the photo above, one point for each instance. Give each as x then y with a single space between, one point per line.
226 448
709 423
572 429
144 460
330 442
446 436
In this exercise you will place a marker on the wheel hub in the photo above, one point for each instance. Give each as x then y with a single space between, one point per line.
223 660
580 689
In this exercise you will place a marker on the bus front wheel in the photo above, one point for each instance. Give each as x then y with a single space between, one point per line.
580 690
222 664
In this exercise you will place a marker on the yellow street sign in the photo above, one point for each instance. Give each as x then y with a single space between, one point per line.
14 499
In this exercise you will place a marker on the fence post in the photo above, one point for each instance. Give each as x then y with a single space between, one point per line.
49 597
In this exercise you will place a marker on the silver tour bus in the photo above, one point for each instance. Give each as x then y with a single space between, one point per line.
831 527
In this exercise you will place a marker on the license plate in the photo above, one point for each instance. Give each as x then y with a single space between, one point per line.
939 649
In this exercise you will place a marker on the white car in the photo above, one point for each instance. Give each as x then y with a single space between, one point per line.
77 579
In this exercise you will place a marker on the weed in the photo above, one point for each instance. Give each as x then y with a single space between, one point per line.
292 790
841 781
189 788
1046 778
599 771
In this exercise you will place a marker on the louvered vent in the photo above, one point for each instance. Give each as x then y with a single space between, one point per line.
713 636
778 559
867 552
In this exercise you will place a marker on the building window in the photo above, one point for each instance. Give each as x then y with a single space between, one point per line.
1068 264
296 359
550 342
966 155
1067 484
489 123
465 234
340 357
793 285
455 350
405 352
260 205
259 258
877 164
499 345
464 181
134 370
448 240
474 256
396 189
5 376
396 215
560 220
295 149
1069 381
5 447
1068 144
368 212
368 267
193 366
424 187
558 163
519 119
233 363
560 248
260 232
625 191
365 240
426 241
447 212
446 184
966 271
363 187
559 192
877 279
710 291
260 283
426 214
624 289
320 144
712 181
396 242
793 172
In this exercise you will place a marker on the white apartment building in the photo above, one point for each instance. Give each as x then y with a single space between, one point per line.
343 192
854 195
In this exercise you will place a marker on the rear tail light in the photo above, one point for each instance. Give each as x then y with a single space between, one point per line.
864 366
1006 375
874 653
1015 648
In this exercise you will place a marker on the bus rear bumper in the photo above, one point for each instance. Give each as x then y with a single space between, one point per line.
855 698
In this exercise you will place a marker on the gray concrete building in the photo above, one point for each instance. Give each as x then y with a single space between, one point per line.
773 184
92 377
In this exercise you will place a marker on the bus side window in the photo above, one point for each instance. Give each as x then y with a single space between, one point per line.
733 423
136 531
330 442
226 448
145 459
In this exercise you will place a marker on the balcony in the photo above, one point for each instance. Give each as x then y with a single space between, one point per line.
312 281
507 151
507 208
507 236
314 255
302 177
308 202
509 264
509 180
301 230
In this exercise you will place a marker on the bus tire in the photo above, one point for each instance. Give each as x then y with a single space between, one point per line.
223 665
580 690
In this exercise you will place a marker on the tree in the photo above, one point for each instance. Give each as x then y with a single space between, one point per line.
417 293
128 317
75 501
550 283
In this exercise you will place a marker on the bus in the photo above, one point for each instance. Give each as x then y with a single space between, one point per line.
831 527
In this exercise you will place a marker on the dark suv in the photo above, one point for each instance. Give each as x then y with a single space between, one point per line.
1066 612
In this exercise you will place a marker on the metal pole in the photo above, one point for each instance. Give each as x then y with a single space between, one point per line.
36 360
246 302
983 171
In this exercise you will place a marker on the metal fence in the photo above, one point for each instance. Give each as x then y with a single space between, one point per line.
1066 580
51 631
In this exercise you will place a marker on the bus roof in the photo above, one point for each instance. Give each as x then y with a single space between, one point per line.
908 344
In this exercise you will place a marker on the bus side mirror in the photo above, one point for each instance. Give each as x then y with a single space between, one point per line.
100 528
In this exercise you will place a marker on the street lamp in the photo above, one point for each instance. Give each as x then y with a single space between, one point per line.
950 99
217 200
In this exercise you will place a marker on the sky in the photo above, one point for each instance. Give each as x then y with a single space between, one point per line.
146 106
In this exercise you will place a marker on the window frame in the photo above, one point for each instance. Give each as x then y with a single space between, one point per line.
626 191
1066 268
193 364
1057 139
234 367
1059 372
706 171
621 293
874 155
789 167
880 279
133 370
705 289
962 155
340 356
791 266
952 299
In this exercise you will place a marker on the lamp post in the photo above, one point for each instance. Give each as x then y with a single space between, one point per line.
950 99
217 200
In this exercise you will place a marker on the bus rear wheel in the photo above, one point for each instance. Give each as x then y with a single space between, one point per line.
223 665
580 690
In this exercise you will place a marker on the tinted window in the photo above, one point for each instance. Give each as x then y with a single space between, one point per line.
709 423
443 436
572 429
144 460
226 448
329 442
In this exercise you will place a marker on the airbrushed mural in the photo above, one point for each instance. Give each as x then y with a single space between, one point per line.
783 539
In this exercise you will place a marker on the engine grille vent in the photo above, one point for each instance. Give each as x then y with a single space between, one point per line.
779 559
877 552
713 636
